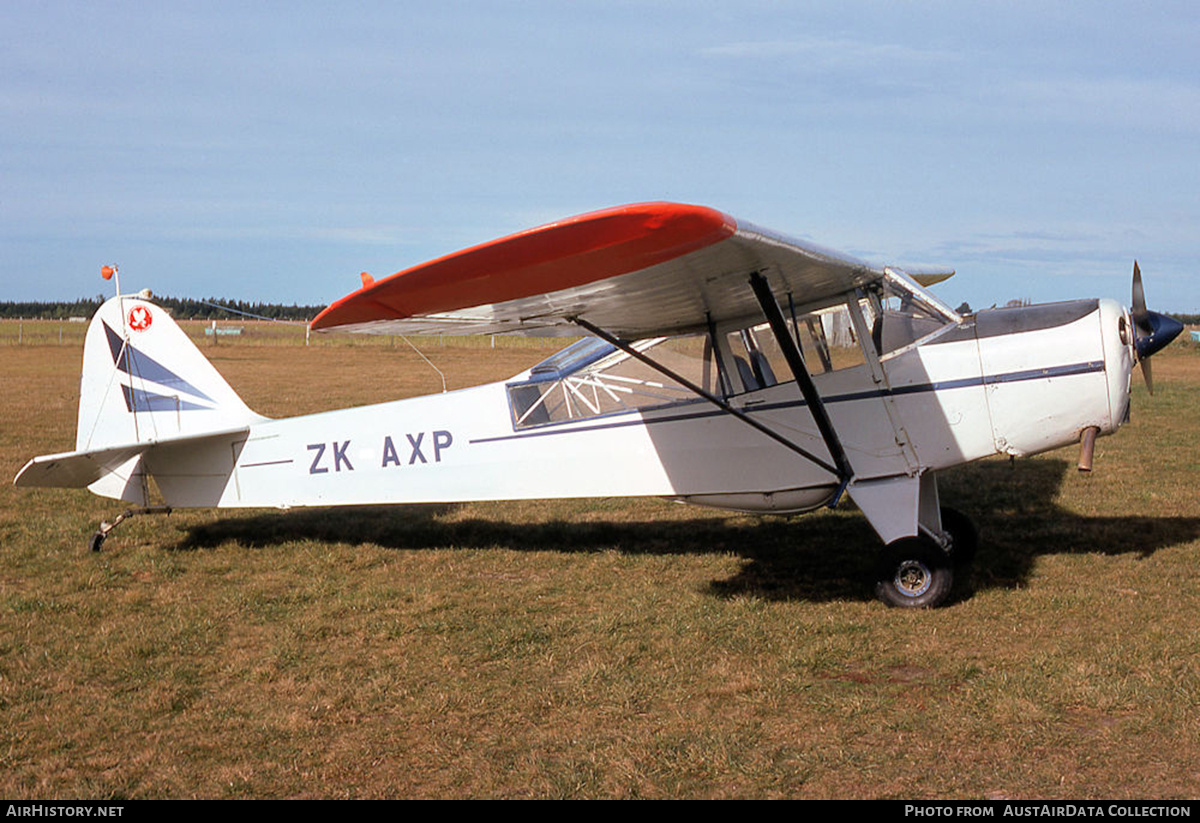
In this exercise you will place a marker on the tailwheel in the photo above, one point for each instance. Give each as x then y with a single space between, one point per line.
914 573
96 541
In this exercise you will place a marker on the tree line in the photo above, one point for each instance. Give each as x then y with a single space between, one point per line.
181 308
187 308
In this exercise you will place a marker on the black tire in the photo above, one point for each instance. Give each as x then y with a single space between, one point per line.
96 541
914 573
963 535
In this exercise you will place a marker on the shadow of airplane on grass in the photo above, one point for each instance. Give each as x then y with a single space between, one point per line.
822 557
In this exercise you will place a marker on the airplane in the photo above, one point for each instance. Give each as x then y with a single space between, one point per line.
718 364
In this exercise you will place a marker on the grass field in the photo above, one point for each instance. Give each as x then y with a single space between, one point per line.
594 648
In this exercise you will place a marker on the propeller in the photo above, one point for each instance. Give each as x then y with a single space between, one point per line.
1152 331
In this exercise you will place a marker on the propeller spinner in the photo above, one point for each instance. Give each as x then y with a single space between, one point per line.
1152 331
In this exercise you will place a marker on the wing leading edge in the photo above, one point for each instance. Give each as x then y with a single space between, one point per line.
639 271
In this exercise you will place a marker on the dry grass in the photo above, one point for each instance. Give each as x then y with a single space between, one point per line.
594 648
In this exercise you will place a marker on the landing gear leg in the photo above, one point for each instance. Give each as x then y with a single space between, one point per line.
96 541
915 571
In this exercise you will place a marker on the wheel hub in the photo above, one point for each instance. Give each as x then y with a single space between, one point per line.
913 578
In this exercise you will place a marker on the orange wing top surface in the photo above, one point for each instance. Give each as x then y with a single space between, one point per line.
550 258
638 271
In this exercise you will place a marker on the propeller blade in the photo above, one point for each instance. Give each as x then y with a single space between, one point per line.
1137 308
1151 331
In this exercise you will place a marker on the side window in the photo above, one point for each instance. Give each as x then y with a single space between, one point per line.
826 339
593 378
845 349
752 365
814 343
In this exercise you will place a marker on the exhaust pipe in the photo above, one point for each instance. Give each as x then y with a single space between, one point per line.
1087 444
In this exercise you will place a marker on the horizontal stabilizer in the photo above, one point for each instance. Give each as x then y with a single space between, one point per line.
76 470
114 471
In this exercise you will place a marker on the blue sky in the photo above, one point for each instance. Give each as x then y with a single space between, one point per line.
272 151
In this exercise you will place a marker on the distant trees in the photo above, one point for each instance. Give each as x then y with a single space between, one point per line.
181 308
82 307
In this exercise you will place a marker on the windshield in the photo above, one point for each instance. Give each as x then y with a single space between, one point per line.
899 312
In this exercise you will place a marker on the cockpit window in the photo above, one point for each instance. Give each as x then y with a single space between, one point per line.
592 378
571 359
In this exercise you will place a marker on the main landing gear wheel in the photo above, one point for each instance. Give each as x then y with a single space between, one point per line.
914 573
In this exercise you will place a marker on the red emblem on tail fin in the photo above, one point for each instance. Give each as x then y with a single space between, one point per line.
140 318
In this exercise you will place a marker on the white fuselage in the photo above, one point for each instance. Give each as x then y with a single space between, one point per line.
1006 381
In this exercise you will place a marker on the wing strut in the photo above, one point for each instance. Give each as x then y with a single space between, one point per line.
712 398
795 360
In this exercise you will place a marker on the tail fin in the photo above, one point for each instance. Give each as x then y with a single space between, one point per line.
144 380
143 383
